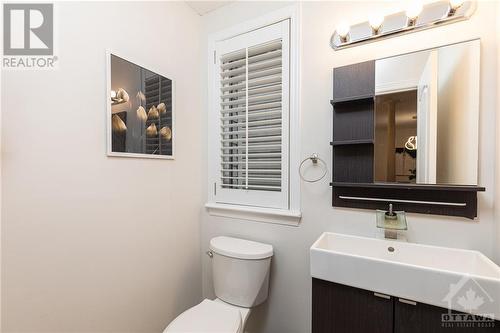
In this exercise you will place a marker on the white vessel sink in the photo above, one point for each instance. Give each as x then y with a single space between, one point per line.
433 275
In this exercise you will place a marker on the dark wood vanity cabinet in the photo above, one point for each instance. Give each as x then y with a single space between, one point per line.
338 308
419 317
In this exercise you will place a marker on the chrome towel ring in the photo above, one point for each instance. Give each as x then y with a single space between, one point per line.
315 159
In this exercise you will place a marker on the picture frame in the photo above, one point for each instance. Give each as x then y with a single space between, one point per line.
132 132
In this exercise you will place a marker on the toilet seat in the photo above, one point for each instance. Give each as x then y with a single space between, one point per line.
208 316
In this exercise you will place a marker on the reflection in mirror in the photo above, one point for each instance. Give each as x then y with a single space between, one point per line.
427 116
141 111
395 133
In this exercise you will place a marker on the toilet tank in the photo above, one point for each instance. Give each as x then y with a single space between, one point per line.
240 270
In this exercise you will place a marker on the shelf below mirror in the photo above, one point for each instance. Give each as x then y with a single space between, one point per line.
452 200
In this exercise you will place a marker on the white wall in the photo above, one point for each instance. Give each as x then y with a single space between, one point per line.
91 243
288 308
497 173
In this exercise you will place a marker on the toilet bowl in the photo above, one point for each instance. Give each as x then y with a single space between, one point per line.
240 270
210 317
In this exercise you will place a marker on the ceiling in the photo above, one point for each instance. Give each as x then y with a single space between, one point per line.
204 7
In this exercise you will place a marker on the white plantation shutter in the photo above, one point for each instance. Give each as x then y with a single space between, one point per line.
252 101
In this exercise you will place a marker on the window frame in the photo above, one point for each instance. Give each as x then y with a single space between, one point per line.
285 214
257 198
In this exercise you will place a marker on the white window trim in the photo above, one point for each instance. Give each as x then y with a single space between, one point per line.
292 215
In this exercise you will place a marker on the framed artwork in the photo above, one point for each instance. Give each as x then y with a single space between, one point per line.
140 115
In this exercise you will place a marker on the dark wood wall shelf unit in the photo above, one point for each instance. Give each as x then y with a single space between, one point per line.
353 140
343 309
426 199
353 123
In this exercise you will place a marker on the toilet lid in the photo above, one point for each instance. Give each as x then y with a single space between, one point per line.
208 316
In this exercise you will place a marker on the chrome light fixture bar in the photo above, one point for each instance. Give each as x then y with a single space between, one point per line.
416 17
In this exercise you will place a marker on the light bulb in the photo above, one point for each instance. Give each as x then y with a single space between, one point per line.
113 94
376 22
455 4
343 31
414 10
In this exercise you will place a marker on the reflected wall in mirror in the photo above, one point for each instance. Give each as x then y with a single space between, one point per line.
395 137
140 115
427 116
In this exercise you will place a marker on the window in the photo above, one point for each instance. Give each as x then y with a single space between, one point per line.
250 119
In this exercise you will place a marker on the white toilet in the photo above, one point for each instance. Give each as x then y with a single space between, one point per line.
240 270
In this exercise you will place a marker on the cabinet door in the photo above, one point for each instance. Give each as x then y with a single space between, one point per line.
410 317
341 309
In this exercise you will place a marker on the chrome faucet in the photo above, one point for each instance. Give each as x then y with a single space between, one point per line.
390 215
391 222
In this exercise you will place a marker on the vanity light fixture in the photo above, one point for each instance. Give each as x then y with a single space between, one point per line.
343 31
376 22
415 18
454 5
413 11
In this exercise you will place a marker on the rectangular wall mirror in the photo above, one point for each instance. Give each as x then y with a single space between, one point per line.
140 111
406 132
427 116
